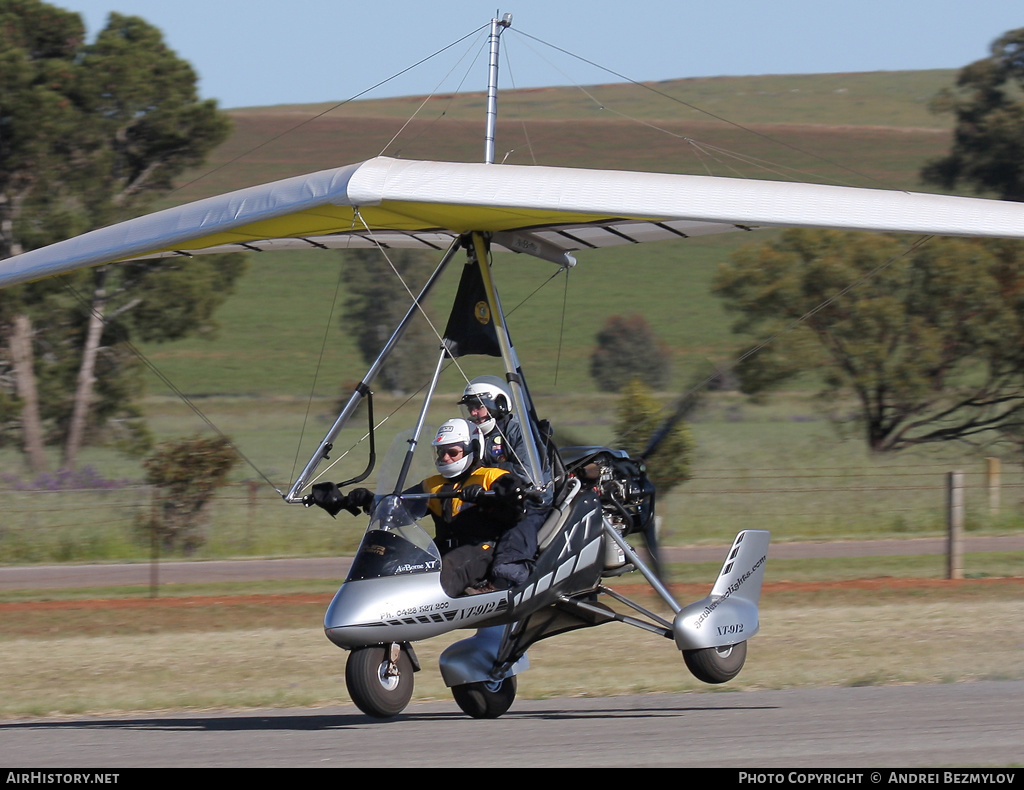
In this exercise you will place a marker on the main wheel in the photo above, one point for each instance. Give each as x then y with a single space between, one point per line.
485 700
376 688
716 664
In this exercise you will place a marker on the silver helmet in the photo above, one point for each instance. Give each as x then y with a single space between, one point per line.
484 400
456 446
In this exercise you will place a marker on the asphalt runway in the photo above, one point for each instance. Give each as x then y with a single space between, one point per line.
930 726
28 577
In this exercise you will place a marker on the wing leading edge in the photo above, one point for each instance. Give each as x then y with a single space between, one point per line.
421 204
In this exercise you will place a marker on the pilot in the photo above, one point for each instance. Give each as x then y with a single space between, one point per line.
487 404
469 526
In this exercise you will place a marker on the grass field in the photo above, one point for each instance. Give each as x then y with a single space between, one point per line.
779 467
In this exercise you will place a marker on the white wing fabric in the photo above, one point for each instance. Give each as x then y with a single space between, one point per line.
422 204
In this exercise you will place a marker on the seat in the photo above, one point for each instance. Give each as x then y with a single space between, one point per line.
559 512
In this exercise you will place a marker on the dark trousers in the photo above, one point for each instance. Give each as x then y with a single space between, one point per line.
465 566
517 549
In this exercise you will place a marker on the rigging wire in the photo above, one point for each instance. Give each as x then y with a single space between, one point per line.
700 148
137 352
415 300
716 153
423 104
522 121
561 325
413 395
316 373
329 110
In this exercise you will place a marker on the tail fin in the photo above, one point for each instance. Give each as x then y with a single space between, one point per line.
729 615
743 570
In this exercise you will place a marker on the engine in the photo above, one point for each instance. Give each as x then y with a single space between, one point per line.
627 496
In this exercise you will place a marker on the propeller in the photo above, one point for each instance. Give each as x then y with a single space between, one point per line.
692 398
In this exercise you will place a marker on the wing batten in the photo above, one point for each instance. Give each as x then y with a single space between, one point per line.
425 205
576 240
672 230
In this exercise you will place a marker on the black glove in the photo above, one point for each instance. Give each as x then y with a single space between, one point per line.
509 491
328 496
474 493
359 498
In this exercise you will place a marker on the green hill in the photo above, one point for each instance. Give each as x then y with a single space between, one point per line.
876 124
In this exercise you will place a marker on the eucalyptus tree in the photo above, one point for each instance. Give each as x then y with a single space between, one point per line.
926 338
91 133
379 291
987 104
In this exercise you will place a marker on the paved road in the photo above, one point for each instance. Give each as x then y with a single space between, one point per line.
956 724
35 577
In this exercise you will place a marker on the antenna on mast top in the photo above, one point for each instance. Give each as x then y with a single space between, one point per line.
497 26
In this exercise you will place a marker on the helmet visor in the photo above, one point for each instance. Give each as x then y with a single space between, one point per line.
451 452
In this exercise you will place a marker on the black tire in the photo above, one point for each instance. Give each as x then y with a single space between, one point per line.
485 700
374 693
716 664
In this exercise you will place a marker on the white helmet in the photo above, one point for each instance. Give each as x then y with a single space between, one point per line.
489 392
456 445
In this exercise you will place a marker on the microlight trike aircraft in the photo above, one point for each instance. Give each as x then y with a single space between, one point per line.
598 496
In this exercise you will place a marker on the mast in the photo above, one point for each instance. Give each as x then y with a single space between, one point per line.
480 248
497 26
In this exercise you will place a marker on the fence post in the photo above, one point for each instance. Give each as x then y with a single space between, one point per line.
992 483
955 497
154 542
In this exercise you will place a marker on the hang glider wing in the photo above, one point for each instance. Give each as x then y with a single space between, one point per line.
550 212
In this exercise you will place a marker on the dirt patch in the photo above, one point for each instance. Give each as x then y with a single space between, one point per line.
176 602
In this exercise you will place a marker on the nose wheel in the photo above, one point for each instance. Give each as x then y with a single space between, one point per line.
379 679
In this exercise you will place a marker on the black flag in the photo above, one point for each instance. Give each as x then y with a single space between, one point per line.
470 327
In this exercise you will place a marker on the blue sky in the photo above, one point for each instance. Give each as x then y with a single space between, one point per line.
253 53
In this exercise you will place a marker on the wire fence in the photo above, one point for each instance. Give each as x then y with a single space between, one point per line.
247 519
843 502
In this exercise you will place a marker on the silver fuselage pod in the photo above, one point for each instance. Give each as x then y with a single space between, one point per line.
729 615
404 609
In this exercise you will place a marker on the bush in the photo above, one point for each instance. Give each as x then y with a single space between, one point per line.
187 472
627 348
638 417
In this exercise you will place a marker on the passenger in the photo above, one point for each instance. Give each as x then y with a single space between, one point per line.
487 405
467 527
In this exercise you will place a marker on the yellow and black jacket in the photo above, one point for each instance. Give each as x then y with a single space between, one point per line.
458 522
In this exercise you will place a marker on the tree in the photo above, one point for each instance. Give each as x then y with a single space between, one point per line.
89 134
376 303
928 340
189 472
988 138
638 417
151 301
627 348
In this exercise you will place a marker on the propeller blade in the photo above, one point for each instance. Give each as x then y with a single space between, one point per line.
650 534
692 397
